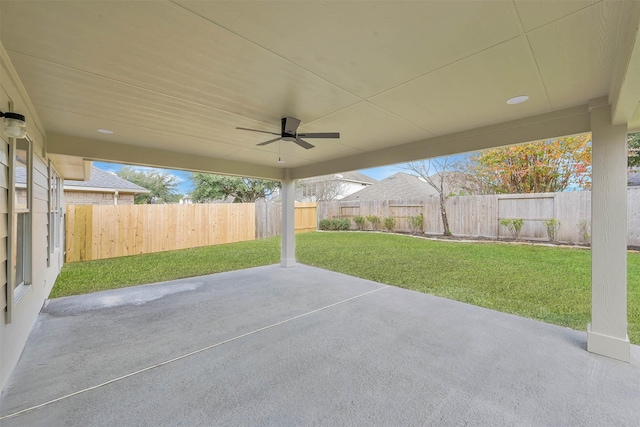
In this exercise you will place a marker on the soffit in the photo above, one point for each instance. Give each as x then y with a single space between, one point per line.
70 167
180 76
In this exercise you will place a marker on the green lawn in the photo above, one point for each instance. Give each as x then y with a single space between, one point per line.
545 283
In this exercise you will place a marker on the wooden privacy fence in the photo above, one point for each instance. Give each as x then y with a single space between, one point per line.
99 232
479 216
269 215
400 209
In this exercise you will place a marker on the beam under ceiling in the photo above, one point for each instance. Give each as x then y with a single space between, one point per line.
625 91
93 149
569 121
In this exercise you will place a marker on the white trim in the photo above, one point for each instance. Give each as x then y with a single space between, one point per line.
19 292
607 333
10 221
605 345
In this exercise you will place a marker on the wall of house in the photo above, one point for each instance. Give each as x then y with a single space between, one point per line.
307 193
95 198
20 314
349 188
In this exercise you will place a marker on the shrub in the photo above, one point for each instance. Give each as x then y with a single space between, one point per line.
334 224
552 228
343 224
374 220
415 223
585 230
514 226
389 223
359 220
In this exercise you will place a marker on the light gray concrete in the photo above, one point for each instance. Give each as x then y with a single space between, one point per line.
391 357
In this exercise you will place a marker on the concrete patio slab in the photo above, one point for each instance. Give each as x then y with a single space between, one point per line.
305 346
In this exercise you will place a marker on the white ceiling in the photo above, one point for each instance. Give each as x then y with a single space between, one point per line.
178 77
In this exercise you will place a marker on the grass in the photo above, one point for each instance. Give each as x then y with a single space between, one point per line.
550 284
92 276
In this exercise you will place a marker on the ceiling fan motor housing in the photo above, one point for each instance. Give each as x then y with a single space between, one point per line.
289 128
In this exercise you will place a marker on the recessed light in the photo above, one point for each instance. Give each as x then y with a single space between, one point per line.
106 131
517 99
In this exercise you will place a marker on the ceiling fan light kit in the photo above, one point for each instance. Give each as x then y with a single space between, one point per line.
289 128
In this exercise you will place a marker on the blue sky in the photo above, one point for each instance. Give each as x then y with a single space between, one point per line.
184 184
383 172
182 177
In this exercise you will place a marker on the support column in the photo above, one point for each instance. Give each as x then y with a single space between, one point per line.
607 333
288 257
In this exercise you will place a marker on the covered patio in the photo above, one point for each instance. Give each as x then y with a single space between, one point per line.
168 84
305 346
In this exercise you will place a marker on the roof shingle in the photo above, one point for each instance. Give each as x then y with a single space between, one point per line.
104 179
398 186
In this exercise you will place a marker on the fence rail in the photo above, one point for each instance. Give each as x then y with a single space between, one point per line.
479 216
99 232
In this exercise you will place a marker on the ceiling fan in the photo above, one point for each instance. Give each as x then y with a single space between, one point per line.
289 128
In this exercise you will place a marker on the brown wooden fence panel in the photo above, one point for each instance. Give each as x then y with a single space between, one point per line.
305 217
99 232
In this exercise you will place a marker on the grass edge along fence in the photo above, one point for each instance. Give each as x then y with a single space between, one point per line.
101 232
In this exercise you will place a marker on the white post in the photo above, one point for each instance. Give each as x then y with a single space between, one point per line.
288 257
607 333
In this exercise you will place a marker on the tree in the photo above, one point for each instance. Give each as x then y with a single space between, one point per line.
634 150
321 188
161 185
440 180
538 167
210 187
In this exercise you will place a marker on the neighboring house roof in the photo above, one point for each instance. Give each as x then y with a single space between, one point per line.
398 186
104 181
633 179
353 176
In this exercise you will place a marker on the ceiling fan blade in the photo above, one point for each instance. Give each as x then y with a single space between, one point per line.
290 125
303 144
320 135
270 141
261 131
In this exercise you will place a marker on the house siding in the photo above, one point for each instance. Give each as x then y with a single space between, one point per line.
44 266
4 221
95 198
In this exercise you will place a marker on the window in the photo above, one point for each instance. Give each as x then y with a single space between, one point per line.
21 216
55 185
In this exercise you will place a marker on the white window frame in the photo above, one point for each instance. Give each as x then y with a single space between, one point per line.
18 289
55 212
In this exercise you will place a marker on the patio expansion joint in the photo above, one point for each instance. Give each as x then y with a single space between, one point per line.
184 356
